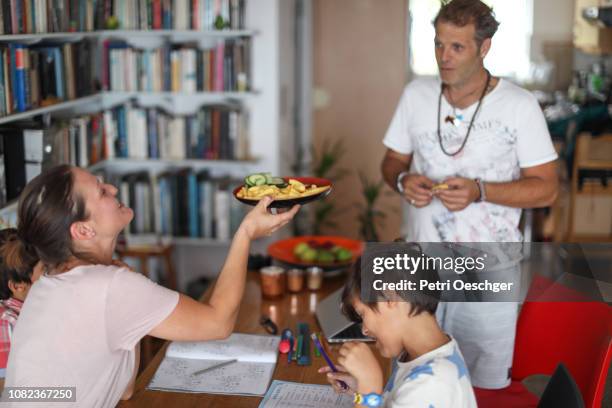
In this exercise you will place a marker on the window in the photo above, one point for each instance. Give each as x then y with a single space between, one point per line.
509 55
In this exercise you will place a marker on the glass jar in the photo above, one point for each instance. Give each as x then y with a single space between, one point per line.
314 278
295 280
272 281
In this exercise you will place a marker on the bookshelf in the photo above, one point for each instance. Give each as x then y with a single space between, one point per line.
267 102
176 36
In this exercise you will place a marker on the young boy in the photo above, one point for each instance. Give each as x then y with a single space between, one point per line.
14 287
430 370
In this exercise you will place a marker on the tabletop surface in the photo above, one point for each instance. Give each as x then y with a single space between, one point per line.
285 312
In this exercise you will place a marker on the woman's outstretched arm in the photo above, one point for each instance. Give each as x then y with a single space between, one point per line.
192 320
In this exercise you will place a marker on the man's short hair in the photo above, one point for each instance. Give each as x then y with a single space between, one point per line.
464 12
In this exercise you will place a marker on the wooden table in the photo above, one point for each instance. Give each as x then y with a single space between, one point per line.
285 312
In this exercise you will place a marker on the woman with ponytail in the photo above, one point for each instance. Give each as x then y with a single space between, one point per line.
84 318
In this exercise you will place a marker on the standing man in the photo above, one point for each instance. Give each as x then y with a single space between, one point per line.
485 141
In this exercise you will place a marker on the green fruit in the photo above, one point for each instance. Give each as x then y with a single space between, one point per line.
112 23
325 257
344 255
336 249
309 255
300 248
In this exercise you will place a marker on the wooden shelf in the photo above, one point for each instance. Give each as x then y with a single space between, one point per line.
180 103
143 240
122 165
58 107
174 35
177 36
175 102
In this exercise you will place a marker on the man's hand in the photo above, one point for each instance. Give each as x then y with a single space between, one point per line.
417 189
360 362
461 192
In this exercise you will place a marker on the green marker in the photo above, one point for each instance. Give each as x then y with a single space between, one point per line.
299 349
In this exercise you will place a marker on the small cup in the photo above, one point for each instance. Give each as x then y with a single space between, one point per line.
314 278
295 280
272 281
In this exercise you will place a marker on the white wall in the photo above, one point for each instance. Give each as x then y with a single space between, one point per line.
553 21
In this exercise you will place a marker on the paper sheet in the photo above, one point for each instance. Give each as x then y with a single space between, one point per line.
250 375
244 347
283 394
240 378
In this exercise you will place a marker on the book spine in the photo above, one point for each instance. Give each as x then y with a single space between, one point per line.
122 132
18 77
7 80
59 74
219 56
194 222
110 134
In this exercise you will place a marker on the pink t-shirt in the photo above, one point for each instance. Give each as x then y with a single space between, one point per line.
80 329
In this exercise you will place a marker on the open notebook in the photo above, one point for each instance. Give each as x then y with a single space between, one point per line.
250 375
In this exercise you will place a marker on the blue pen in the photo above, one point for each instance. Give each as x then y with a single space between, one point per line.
331 365
290 352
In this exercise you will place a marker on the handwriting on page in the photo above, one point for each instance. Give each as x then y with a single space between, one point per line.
237 378
284 394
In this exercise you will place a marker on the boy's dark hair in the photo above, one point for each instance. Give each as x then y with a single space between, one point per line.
17 275
464 12
420 300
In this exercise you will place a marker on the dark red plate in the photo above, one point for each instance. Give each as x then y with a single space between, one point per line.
283 250
290 202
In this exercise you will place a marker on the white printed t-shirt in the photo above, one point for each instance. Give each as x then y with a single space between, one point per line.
508 134
438 379
80 329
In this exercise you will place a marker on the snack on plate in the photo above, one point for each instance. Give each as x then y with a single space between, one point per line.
441 186
259 185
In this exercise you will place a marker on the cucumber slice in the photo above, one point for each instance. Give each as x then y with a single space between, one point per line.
256 179
269 178
276 181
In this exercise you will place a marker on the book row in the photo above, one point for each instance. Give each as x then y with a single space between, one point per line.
46 16
224 67
40 75
181 203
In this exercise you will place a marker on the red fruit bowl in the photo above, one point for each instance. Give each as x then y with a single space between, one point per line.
283 250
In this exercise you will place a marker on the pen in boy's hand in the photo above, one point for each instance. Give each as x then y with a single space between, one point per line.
331 365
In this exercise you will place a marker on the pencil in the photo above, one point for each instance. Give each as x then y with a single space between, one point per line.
214 367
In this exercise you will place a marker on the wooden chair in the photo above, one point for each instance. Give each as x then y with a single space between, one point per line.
595 154
144 254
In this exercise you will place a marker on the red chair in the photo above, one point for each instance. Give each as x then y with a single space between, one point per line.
579 334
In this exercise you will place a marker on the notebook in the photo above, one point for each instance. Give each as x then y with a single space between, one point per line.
284 394
250 375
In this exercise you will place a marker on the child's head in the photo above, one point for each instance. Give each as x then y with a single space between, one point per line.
393 313
16 282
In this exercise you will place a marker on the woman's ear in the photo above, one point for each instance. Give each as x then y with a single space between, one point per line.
82 230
